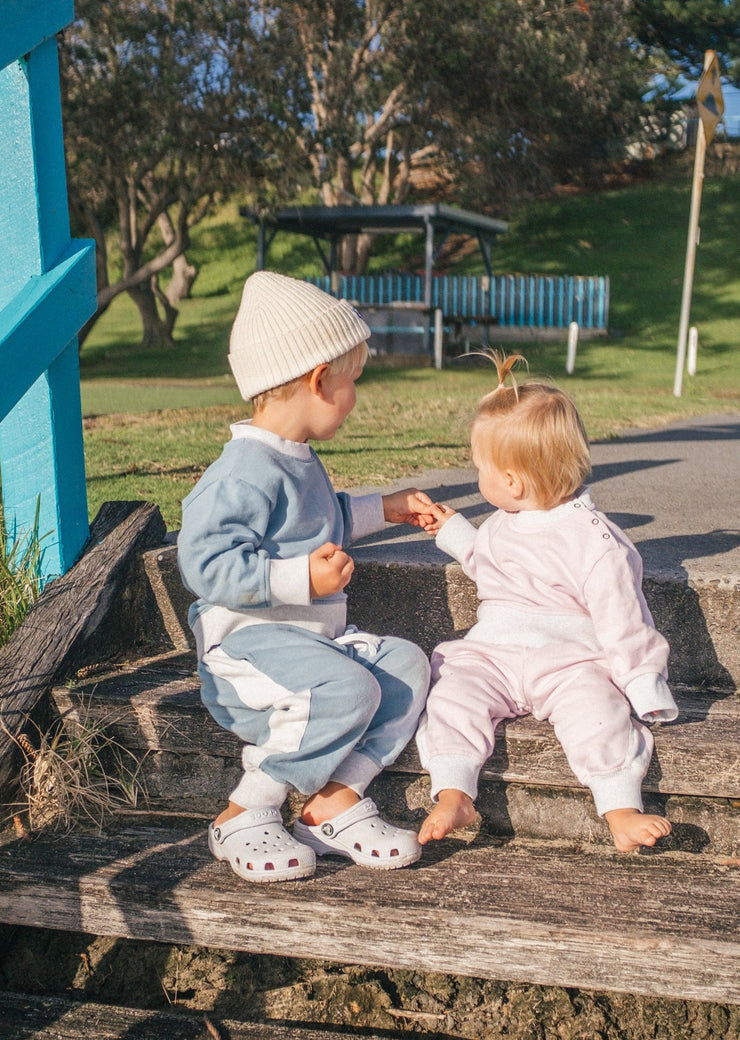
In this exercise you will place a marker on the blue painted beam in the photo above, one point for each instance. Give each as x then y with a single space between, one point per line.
42 457
47 292
26 23
34 221
40 320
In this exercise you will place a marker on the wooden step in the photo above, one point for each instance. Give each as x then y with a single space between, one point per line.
652 924
34 1017
153 708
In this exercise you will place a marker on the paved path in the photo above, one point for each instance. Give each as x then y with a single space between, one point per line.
674 490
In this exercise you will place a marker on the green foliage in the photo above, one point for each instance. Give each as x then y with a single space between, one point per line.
682 30
559 95
171 104
160 119
20 576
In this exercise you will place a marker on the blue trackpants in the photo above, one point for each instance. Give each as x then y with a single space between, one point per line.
311 709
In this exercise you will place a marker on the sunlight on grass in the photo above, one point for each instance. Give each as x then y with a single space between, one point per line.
156 419
405 421
106 396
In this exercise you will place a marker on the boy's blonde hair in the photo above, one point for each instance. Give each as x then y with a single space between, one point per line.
536 431
347 362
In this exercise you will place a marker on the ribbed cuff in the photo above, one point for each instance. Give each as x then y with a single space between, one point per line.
257 790
290 582
357 771
367 514
456 536
454 772
621 790
651 698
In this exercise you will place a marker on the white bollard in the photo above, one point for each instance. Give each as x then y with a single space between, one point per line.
570 363
692 352
438 338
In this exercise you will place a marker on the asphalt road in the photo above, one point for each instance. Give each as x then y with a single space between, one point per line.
675 491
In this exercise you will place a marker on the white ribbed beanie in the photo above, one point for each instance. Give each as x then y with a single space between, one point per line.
284 328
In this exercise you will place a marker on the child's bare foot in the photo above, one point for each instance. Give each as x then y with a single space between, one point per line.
453 809
229 813
327 803
631 828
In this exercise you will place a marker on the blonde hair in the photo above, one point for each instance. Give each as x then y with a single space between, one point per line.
347 362
535 430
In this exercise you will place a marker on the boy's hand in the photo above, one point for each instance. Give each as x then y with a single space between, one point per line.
439 515
329 570
409 506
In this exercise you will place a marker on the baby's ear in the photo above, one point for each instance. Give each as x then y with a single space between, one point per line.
515 484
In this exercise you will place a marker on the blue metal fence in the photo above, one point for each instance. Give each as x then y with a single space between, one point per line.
527 300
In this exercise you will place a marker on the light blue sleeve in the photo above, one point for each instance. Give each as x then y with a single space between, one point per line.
218 548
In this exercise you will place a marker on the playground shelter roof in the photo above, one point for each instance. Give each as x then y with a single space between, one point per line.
327 225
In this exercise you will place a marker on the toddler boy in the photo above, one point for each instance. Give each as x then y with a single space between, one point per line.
320 707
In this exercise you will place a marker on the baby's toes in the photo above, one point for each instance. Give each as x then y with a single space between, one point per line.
655 828
660 826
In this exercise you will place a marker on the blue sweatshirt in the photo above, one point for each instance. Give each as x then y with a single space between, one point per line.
248 527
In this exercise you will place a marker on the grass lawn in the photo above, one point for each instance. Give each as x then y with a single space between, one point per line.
154 420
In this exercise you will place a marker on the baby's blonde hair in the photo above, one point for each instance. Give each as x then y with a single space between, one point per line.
347 362
535 430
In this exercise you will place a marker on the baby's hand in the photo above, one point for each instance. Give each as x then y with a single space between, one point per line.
439 515
409 506
329 570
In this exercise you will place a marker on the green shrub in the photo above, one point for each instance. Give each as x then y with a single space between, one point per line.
20 575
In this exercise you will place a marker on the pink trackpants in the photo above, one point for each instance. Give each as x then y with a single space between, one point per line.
476 685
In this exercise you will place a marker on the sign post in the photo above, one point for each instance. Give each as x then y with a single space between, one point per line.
711 106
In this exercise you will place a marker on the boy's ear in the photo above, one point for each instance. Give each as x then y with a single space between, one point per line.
316 379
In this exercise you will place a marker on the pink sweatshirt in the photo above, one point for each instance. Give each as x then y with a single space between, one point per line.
568 573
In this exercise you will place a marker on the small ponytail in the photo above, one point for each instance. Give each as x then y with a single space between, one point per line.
505 366
504 369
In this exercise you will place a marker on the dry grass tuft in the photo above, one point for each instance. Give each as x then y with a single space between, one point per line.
78 773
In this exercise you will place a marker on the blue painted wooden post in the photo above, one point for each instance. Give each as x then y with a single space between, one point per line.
47 292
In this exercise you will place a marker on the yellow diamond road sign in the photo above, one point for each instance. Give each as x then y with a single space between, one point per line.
709 98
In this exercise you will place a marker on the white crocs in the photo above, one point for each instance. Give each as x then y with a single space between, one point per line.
361 835
259 848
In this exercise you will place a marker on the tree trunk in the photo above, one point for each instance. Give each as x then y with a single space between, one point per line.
363 251
183 275
183 272
157 333
87 216
347 197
